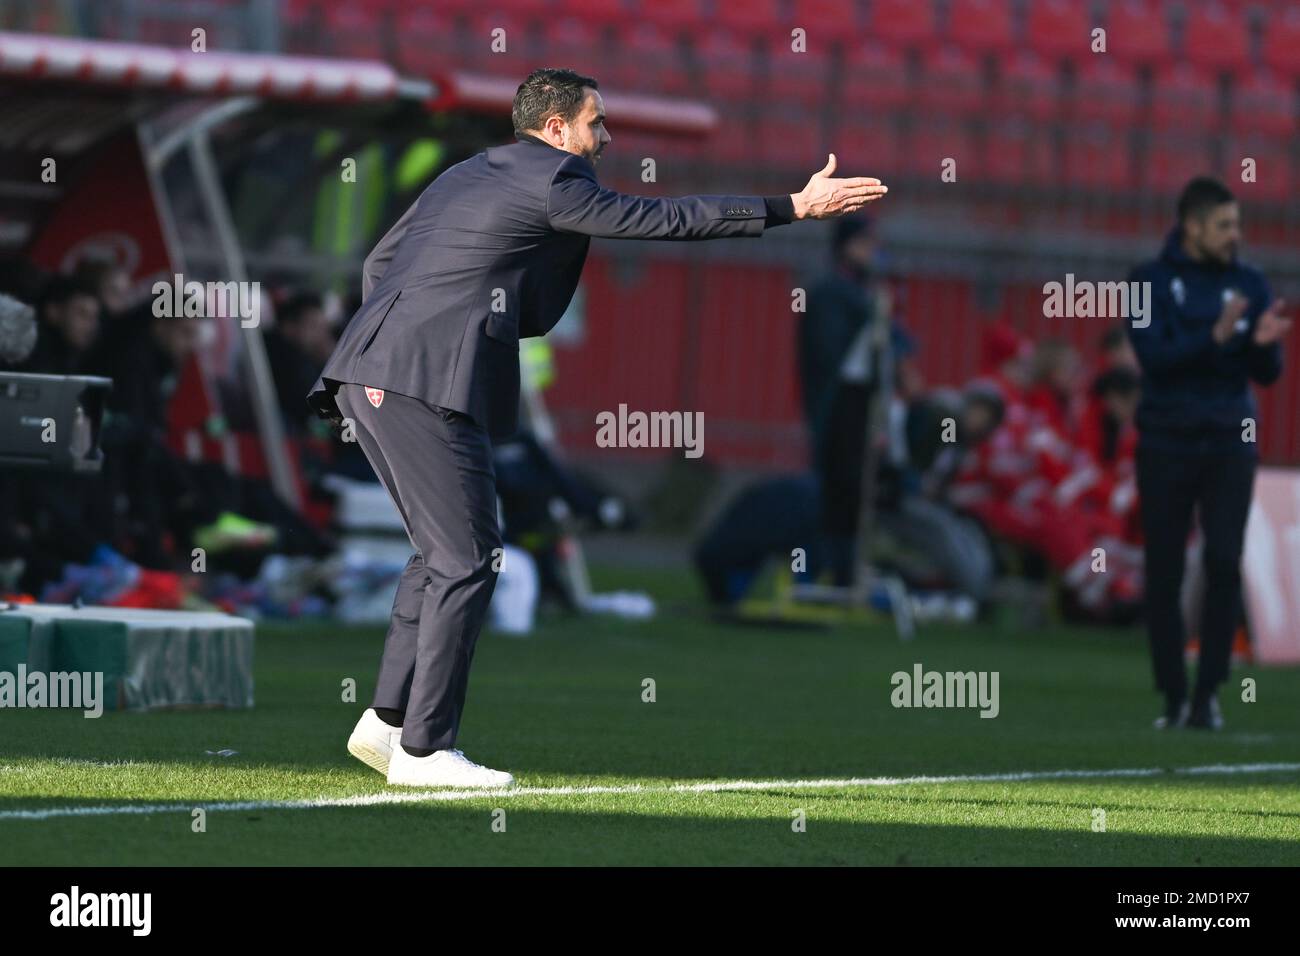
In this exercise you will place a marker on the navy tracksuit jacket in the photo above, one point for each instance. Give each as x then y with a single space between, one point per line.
1195 393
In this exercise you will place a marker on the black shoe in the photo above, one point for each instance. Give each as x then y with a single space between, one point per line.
1177 713
1206 714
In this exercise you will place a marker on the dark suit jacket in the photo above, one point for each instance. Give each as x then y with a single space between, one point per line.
490 253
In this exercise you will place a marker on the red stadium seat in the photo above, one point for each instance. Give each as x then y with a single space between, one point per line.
1137 31
632 148
521 45
727 64
1028 86
572 39
447 7
1262 102
787 138
1106 91
1216 37
1059 29
875 78
732 141
648 59
1096 157
985 26
752 16
600 11
1172 160
903 22
931 143
1282 41
525 9
866 146
671 13
801 77
355 31
1016 153
425 40
1184 98
837 16
951 83
1274 175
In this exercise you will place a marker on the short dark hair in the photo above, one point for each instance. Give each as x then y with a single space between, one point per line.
848 228
981 392
1116 381
1113 338
1201 195
62 288
548 92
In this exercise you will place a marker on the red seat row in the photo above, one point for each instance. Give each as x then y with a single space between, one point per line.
1215 34
1086 156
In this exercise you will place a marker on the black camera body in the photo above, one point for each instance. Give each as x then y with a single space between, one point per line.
52 422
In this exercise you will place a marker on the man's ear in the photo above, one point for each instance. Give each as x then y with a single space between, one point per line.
560 128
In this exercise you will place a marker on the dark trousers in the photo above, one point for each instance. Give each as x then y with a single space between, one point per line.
436 464
838 464
1219 486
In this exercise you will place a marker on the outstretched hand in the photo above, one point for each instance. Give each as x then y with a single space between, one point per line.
827 198
1272 325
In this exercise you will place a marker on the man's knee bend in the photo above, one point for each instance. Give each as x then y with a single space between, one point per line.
1164 584
1222 568
468 565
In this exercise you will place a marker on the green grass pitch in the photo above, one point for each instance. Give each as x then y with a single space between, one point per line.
563 710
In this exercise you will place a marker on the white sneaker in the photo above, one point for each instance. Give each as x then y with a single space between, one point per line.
443 768
373 741
1170 721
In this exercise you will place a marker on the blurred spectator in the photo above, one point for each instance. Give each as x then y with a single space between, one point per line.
297 347
158 499
541 501
1006 361
843 357
67 327
1117 350
111 282
764 522
1027 485
1057 385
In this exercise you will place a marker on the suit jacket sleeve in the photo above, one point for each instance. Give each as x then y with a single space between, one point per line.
377 262
575 202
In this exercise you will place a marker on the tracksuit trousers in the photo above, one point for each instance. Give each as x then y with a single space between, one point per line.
436 464
1219 487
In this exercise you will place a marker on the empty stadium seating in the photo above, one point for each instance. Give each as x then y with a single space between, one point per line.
1184 97
1106 91
950 83
1216 38
1028 87
984 26
903 22
1263 102
1137 31
1059 29
1013 82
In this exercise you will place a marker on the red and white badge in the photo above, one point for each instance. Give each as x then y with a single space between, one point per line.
376 396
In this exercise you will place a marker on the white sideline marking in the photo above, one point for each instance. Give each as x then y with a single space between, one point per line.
721 786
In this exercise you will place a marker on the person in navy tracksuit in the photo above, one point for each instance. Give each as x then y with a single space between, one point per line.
1213 329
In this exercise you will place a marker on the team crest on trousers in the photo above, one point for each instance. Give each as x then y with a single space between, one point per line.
376 396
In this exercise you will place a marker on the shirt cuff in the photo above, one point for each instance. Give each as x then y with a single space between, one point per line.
780 210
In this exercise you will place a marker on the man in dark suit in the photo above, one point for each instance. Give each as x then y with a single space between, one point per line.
427 373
